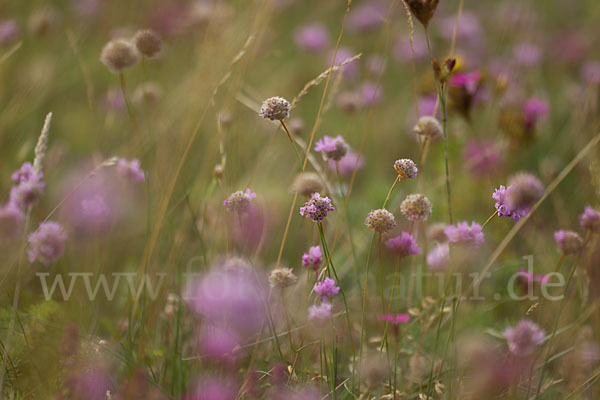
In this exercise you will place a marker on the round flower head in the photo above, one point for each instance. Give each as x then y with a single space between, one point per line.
380 221
416 207
317 207
347 164
428 126
439 257
275 109
239 201
406 168
25 173
307 183
47 243
27 193
130 170
403 245
147 42
332 148
320 312
313 37
503 209
119 54
313 259
569 242
524 338
282 278
326 289
11 221
590 219
463 234
525 190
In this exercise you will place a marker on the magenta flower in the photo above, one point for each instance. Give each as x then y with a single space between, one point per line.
403 245
25 173
9 31
530 277
463 234
218 342
316 208
524 338
332 148
29 187
395 318
439 257
313 259
239 201
590 71
481 157
326 289
11 221
569 242
47 244
502 207
590 219
467 81
320 312
313 37
131 170
371 93
524 190
347 164
535 109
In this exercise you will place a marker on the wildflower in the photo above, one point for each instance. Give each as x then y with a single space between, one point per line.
47 243
530 277
119 54
320 312
423 10
147 93
25 173
503 210
27 193
130 170
569 242
9 31
346 165
313 37
370 93
11 221
395 318
380 221
332 148
416 207
525 190
462 89
313 259
366 17
403 245
282 278
429 127
218 342
275 109
527 54
463 234
326 289
406 168
533 110
239 201
350 70
307 183
147 42
317 207
590 219
439 257
524 338
467 81
481 157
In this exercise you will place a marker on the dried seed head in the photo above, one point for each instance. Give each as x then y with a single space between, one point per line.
423 10
147 42
275 109
119 54
569 242
380 220
416 207
406 168
147 93
282 278
307 183
428 126
524 190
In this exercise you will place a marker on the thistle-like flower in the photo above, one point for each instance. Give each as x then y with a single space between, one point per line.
326 289
275 109
524 338
317 207
590 219
313 259
307 183
47 243
403 245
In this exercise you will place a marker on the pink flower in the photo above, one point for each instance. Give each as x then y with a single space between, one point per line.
569 242
403 245
332 148
351 69
534 109
524 338
468 81
481 157
130 170
439 257
47 243
317 207
590 219
313 37
529 277
395 318
320 312
347 164
326 289
462 234
502 205
371 93
313 258
11 221
239 201
25 173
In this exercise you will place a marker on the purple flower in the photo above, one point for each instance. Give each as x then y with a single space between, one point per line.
501 205
313 37
590 219
395 318
9 31
366 17
591 73
320 312
25 173
347 164
351 69
534 109
524 338
317 207
130 170
47 243
530 277
569 242
371 94
239 201
403 245
481 157
439 257
27 193
326 289
467 81
218 342
524 189
313 259
11 221
332 148
527 54
463 234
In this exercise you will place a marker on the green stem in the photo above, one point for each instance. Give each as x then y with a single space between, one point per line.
289 135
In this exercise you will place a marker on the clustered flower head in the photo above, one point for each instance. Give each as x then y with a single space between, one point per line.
524 338
406 168
28 189
502 207
239 201
317 207
380 221
313 259
47 243
590 219
569 242
416 207
320 312
332 148
307 183
119 54
525 190
11 221
282 278
429 127
275 109
147 42
439 257
463 234
326 289
131 170
403 245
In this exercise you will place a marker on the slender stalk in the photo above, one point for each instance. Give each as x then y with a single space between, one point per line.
289 135
487 221
128 107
